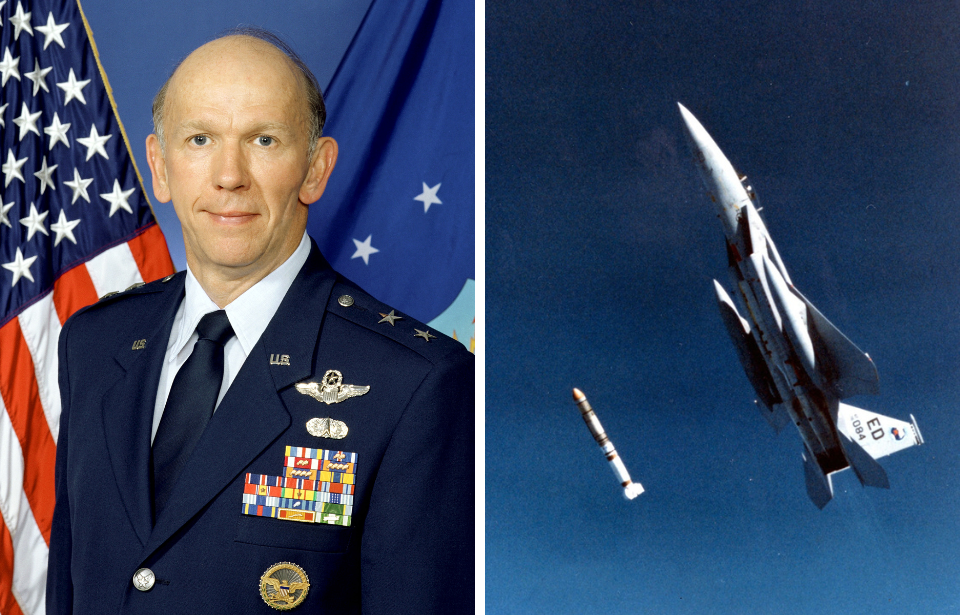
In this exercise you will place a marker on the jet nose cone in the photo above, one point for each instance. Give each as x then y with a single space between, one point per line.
721 181
687 116
698 135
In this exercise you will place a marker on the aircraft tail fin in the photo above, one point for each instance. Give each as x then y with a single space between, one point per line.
777 415
867 469
878 435
819 485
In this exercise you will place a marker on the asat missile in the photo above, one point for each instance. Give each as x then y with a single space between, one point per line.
630 488
800 365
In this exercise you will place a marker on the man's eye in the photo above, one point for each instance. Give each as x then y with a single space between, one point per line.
265 141
199 140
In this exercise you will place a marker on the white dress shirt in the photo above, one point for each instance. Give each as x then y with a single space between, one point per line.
249 315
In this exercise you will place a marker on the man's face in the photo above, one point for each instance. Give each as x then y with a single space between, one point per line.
235 159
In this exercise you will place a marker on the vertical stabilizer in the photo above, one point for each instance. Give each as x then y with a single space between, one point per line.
878 435
819 485
870 473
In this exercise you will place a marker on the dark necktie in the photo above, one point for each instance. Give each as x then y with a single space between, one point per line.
190 405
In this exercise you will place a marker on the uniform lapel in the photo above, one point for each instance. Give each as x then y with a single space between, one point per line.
127 407
251 415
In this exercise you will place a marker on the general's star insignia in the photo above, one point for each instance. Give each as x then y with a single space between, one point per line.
389 318
424 334
331 390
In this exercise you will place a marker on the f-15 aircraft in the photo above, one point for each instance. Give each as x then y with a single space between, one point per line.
799 363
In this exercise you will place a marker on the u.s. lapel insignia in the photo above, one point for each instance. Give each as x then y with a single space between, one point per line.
327 428
279 359
139 344
284 586
330 389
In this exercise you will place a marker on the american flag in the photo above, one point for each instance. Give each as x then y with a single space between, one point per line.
75 223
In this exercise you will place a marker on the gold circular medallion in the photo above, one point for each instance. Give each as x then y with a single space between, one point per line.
284 586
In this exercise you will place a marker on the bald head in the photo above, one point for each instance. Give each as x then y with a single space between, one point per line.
240 164
260 46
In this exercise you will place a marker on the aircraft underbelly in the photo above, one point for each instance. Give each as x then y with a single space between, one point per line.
806 406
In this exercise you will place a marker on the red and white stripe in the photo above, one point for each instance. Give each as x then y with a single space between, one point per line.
30 409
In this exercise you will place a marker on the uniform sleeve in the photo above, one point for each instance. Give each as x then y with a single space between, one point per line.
59 582
417 550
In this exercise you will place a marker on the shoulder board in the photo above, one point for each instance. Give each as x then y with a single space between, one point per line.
136 288
355 305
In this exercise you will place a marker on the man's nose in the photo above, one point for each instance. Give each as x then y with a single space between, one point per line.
231 172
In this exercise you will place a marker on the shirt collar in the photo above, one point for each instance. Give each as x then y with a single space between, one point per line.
251 312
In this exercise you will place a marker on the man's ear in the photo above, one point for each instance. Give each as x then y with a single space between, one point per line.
324 159
158 169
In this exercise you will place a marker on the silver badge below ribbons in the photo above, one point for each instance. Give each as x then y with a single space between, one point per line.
327 428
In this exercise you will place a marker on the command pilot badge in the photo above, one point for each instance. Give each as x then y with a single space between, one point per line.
284 586
330 389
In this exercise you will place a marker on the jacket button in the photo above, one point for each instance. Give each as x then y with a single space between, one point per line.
345 300
144 579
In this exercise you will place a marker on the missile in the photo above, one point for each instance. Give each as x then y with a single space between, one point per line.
630 488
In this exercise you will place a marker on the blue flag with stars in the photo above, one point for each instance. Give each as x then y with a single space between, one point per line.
397 216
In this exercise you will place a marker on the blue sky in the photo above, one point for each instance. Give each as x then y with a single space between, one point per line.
601 247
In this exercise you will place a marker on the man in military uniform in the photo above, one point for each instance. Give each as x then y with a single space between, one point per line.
257 433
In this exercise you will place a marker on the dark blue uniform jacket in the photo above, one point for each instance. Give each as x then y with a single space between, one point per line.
409 548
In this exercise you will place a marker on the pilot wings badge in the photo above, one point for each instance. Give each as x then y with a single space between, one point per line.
330 389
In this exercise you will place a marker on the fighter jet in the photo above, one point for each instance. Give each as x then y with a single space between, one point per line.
800 365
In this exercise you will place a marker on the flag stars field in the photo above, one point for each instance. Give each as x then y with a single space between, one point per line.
428 197
9 67
27 121
34 222
45 175
117 198
364 249
64 228
21 21
56 131
72 88
38 77
4 213
52 31
94 143
11 168
79 187
20 267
